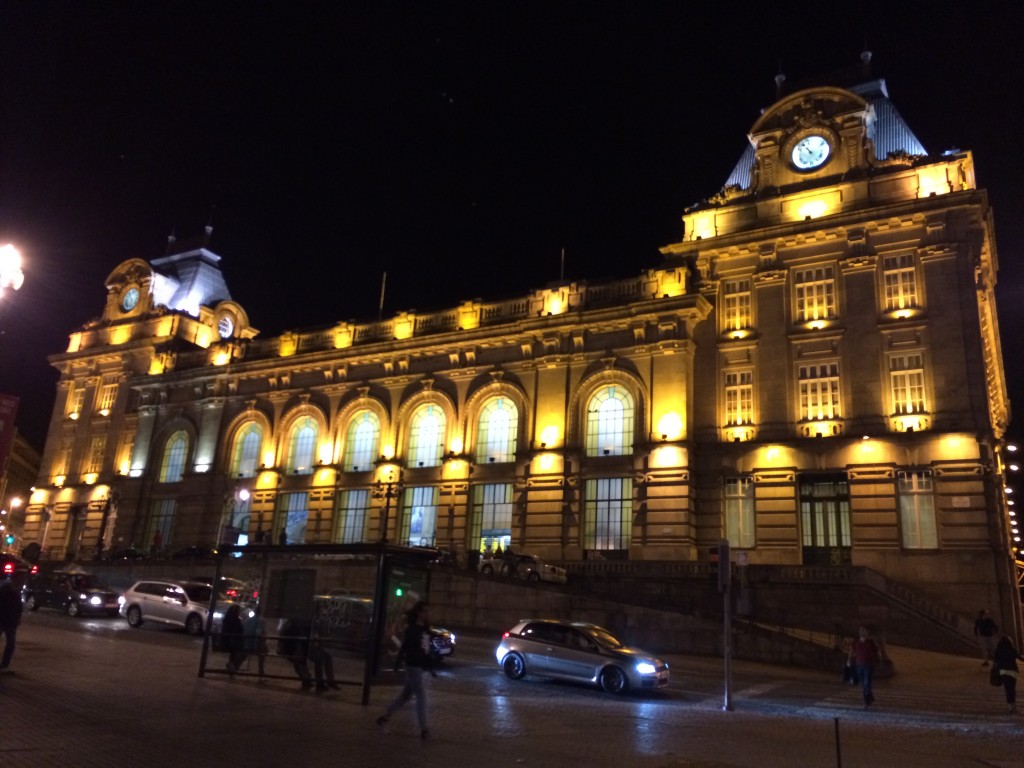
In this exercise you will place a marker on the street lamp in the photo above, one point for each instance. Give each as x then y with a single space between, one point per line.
11 275
387 489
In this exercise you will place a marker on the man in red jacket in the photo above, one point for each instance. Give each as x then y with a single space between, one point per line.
864 655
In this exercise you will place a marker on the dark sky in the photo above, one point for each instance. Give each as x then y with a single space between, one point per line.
458 146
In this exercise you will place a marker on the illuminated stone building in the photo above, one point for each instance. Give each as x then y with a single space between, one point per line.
813 373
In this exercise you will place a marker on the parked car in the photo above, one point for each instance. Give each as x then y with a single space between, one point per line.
529 567
350 617
232 589
578 652
12 564
127 553
182 604
74 593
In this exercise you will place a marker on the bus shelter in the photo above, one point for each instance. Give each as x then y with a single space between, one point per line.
339 606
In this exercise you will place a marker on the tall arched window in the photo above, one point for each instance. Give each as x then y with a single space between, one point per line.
496 431
302 447
610 422
172 465
361 442
426 436
246 456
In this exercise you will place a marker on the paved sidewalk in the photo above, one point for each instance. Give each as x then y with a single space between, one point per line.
98 701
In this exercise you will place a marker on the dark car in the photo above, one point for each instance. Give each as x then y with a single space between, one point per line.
12 564
74 593
127 553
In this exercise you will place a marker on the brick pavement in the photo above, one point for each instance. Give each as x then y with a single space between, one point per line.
95 700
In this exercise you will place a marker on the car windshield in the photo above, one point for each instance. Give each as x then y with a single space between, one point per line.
605 638
83 581
198 593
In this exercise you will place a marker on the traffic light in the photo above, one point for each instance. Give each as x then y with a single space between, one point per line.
9 539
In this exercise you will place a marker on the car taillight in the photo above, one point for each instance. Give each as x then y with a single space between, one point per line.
232 593
8 567
35 570
503 637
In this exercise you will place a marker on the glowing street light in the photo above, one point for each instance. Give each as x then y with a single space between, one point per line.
11 275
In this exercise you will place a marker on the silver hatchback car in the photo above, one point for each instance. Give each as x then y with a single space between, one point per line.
578 652
184 604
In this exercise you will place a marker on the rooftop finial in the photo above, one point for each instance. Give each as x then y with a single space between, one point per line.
780 80
170 240
865 62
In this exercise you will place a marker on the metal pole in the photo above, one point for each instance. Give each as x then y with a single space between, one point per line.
839 751
727 645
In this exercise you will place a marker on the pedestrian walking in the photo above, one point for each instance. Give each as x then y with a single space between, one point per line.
294 646
10 614
282 537
986 632
864 655
231 637
1004 661
415 651
254 640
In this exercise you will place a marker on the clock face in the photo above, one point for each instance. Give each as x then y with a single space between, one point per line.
225 326
811 152
130 300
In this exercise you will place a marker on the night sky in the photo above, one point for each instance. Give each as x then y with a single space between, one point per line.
458 146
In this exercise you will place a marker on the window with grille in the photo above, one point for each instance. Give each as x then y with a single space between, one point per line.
107 396
608 513
246 456
497 430
739 398
815 294
76 398
918 526
302 447
736 305
361 442
739 512
899 278
491 523
819 392
293 518
172 467
351 516
610 422
419 516
906 374
97 446
426 436
825 513
62 461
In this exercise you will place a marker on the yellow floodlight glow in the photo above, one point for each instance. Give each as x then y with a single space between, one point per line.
549 436
74 415
89 478
59 480
812 209
120 334
932 180
387 452
343 336
456 445
268 458
325 454
668 456
469 315
670 426
222 356
404 325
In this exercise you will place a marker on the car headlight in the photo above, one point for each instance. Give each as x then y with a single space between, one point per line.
645 668
120 600
95 600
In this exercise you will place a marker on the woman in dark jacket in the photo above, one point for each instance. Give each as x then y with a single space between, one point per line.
415 651
1004 659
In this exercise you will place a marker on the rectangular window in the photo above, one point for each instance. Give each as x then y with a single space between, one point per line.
608 513
293 518
907 378
819 392
351 516
161 523
736 306
96 448
815 294
899 278
492 516
918 526
739 512
419 516
107 396
76 397
739 398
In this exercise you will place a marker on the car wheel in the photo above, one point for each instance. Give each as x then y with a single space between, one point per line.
31 603
533 578
134 616
194 624
614 680
514 666
74 609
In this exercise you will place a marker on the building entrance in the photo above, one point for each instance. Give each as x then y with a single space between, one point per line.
825 519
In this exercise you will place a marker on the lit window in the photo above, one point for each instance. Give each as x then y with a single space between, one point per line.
419 516
496 431
492 516
246 455
610 422
608 513
76 397
161 524
293 518
739 398
819 392
361 442
739 512
96 450
426 436
815 294
351 516
899 278
173 465
918 526
107 396
736 306
301 447
907 378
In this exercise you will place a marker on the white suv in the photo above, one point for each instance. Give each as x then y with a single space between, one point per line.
185 604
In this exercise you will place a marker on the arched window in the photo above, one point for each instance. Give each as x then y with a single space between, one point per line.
173 464
361 442
246 456
610 422
426 436
302 447
497 431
